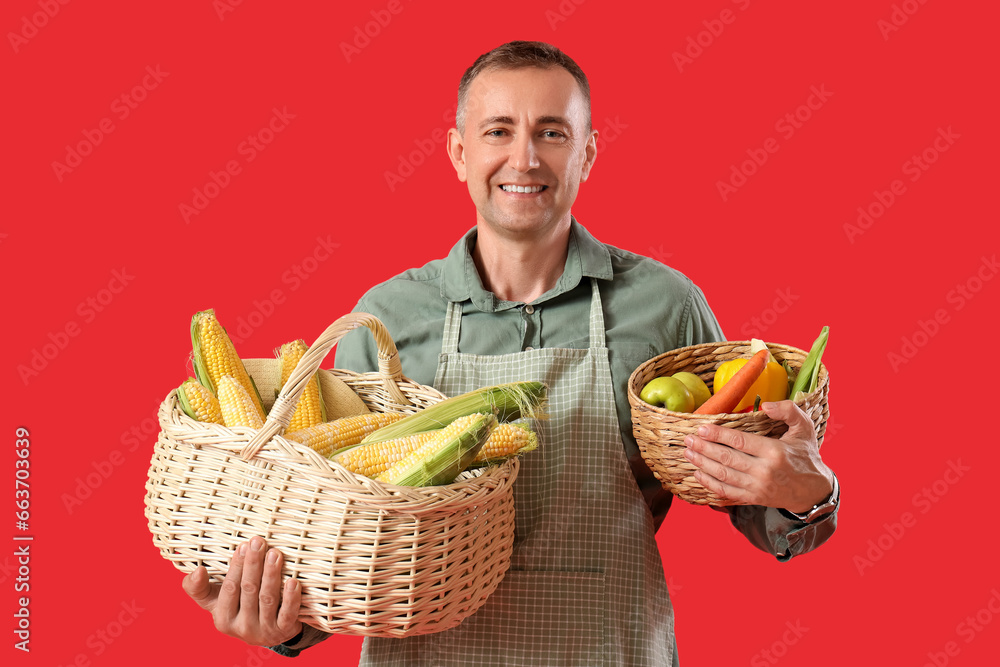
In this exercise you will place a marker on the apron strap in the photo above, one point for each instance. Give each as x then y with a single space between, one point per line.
452 327
597 335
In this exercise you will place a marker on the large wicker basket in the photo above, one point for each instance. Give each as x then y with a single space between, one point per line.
374 559
660 432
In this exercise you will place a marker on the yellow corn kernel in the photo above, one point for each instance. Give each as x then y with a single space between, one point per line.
236 405
505 441
215 356
447 453
375 458
198 402
310 410
330 437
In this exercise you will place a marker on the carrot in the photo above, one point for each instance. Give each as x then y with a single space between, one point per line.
727 398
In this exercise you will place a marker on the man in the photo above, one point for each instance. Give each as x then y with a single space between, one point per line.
529 294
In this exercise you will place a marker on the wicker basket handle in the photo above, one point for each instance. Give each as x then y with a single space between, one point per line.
284 405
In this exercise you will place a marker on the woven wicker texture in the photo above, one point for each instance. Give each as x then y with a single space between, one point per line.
660 432
374 559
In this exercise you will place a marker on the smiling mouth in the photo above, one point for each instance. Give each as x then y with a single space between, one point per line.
529 189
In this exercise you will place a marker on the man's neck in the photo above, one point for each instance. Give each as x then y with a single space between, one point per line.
520 267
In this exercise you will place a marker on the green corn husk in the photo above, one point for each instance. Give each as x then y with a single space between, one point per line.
808 376
182 400
514 400
445 456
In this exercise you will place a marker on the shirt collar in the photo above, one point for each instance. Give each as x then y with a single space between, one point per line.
585 257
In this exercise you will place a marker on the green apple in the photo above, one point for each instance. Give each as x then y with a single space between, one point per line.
696 386
669 393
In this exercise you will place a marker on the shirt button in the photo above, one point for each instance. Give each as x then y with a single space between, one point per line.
528 347
529 309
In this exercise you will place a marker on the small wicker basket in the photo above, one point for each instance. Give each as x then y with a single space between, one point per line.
660 432
374 559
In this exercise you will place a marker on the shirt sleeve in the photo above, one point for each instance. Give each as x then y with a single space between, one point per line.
698 324
770 531
356 351
310 637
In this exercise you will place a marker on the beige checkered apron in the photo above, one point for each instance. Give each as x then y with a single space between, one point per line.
586 584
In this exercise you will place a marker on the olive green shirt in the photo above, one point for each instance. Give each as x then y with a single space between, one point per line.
649 309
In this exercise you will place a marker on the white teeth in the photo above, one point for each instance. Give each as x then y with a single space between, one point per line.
522 188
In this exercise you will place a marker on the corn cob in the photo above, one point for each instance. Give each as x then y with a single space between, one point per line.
199 403
507 401
374 458
310 409
445 455
329 438
505 441
215 356
236 404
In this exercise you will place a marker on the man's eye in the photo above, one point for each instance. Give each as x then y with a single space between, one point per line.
552 134
495 133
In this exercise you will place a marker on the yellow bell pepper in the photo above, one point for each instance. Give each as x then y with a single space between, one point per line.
772 385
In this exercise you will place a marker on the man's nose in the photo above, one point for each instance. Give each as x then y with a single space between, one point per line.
523 156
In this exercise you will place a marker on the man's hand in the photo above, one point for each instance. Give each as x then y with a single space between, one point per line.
245 605
752 469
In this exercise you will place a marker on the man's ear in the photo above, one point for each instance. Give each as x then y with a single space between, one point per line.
456 151
591 155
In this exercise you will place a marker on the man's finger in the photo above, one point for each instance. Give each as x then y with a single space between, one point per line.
738 440
721 468
270 588
228 604
721 489
253 571
800 427
291 602
200 589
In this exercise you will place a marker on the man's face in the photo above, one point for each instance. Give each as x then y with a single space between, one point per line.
524 128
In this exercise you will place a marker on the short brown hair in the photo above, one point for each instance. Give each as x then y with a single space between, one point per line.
515 55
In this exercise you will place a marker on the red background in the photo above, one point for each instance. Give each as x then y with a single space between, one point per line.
671 134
